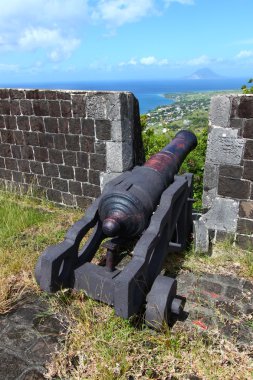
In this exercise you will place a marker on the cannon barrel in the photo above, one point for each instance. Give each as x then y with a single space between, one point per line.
126 210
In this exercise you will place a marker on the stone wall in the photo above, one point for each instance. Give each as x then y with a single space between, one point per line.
228 177
67 144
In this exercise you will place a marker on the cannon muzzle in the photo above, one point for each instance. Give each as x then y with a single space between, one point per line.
126 210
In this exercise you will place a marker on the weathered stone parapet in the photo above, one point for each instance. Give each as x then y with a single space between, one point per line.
67 144
228 176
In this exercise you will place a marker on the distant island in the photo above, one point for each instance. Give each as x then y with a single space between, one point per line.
204 73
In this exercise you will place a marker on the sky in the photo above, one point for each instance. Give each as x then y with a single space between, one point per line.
89 40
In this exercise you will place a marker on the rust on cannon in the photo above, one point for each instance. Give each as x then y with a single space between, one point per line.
127 209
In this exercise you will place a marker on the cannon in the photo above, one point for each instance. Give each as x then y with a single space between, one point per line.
149 208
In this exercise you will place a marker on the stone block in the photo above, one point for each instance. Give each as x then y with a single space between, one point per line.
246 209
231 171
60 184
5 174
7 136
51 95
24 166
31 138
97 162
248 129
44 181
236 123
68 199
63 125
114 157
245 108
75 188
27 152
2 162
37 124
245 226
248 152
16 151
46 140
16 94
81 175
66 108
248 170
69 158
91 190
54 109
54 195
5 108
78 105
29 178
220 108
83 202
82 160
55 156
103 129
114 105
41 108
88 127
107 177
5 150
26 107
41 154
201 236
2 123
11 164
59 141
10 122
96 106
4 93
87 144
72 142
15 109
100 147
17 176
245 242
94 177
23 123
66 172
233 188
35 94
18 137
63 95
222 215
75 126
224 147
51 170
51 125
36 167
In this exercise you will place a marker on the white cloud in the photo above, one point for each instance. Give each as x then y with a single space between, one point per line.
244 54
58 46
118 12
184 2
202 60
51 25
148 60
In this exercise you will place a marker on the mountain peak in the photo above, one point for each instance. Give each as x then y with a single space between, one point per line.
204 73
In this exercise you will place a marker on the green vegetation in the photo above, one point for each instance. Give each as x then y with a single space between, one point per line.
248 90
155 140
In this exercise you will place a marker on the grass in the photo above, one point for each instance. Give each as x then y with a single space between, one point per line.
98 344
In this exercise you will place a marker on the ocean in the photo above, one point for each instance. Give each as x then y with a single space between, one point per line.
150 93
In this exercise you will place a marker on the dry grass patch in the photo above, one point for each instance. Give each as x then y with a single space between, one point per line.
27 227
100 345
